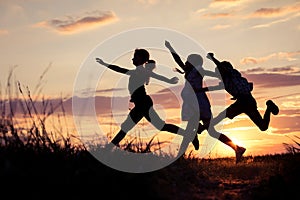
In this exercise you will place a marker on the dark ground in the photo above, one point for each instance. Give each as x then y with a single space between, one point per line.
27 174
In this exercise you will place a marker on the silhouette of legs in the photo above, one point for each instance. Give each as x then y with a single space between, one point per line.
204 126
132 119
249 107
144 108
239 151
159 124
190 134
201 127
195 142
272 107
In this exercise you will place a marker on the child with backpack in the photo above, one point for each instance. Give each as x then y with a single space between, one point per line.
240 89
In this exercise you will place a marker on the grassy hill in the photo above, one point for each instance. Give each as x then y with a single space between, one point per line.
77 174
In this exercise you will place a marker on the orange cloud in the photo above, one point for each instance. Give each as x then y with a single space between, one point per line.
73 24
3 32
220 27
225 3
150 2
276 12
280 55
217 15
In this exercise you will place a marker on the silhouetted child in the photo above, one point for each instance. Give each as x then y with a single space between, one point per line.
143 104
193 73
240 89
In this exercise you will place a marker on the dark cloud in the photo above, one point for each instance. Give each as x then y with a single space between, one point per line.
254 70
290 69
273 80
267 12
276 12
287 69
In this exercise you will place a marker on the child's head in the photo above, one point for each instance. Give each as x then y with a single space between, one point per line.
140 57
194 60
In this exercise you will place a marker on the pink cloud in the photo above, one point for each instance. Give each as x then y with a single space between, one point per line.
73 24
268 80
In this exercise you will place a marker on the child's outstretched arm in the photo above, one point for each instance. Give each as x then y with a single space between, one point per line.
175 55
205 72
112 67
173 80
213 88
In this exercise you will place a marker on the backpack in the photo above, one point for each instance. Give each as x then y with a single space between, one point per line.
234 83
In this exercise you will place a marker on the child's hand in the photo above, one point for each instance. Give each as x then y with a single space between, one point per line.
167 44
100 61
174 80
210 55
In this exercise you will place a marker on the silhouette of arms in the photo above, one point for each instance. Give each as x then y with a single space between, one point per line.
112 67
173 80
175 55
213 88
205 72
211 57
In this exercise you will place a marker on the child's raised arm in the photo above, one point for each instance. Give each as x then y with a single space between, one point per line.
175 55
211 57
112 67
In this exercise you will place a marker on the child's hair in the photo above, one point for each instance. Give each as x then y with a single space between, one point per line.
150 65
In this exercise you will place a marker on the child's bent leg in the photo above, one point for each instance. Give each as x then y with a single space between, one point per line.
132 119
239 151
160 124
272 107
261 123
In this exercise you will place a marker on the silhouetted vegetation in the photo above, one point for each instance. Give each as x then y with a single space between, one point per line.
37 163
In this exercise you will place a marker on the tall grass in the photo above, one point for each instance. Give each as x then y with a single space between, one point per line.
24 115
294 147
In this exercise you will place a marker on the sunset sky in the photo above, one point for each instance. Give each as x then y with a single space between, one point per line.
259 37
